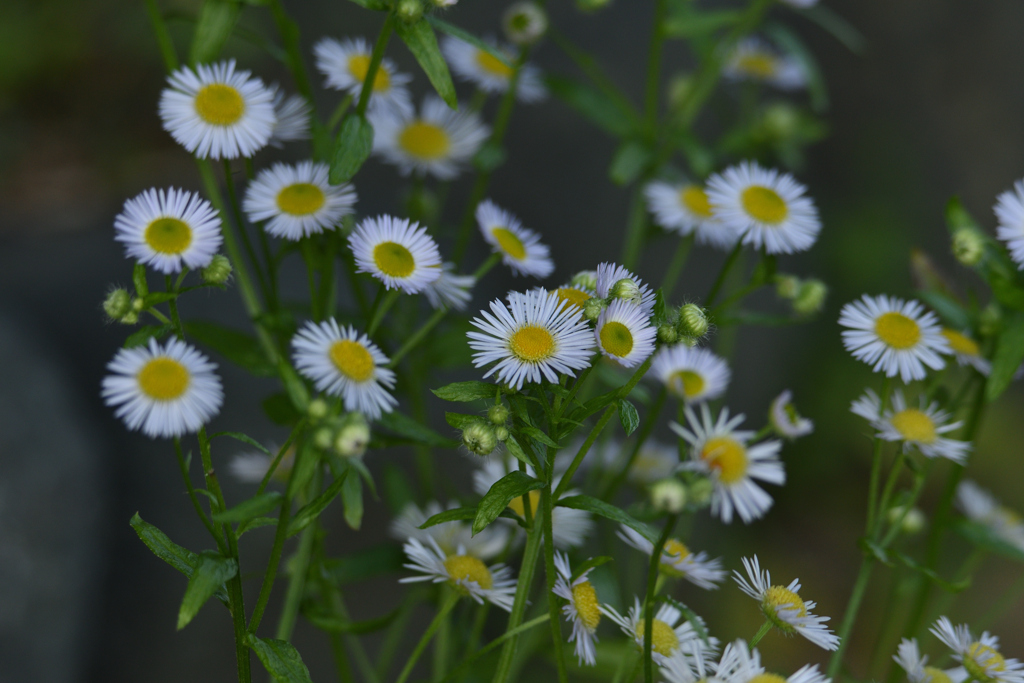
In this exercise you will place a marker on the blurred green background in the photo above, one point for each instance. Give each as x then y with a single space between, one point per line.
932 107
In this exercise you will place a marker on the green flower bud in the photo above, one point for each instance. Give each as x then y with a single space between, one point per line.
781 120
667 334
479 438
443 3
811 297
968 246
593 307
353 437
323 438
317 409
524 23
625 289
218 272
501 433
700 492
913 523
138 305
497 414
692 321
668 495
130 318
990 321
585 279
787 286
409 11
118 304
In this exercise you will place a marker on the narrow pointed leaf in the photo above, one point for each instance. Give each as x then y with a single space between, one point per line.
628 416
352 497
352 148
313 508
280 659
405 426
1008 357
466 36
609 511
501 493
217 19
466 391
248 509
212 570
539 436
420 39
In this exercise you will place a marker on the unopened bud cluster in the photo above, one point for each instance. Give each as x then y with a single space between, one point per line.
409 11
348 434
482 437
118 307
807 296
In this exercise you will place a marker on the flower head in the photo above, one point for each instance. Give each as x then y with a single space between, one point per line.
980 657
449 536
583 610
966 350
685 208
465 573
669 638
921 427
450 290
344 64
610 275
909 657
691 373
784 419
490 74
624 334
169 230
297 201
520 248
983 508
752 59
1009 210
293 114
678 561
396 251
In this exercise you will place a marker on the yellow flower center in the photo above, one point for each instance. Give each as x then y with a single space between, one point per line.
467 568
300 199
961 343
897 330
509 243
1007 516
616 339
934 675
425 140
778 597
664 640
352 359
982 661
674 553
727 456
394 259
695 199
219 104
584 598
168 236
516 504
759 65
764 204
163 379
492 65
358 65
767 678
686 383
532 343
914 425
572 297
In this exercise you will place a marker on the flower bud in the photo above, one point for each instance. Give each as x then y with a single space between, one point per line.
497 414
524 23
625 289
118 304
667 334
353 437
593 307
700 492
219 270
591 5
913 523
323 438
668 495
968 246
317 409
692 321
787 286
990 320
479 438
811 297
585 279
781 120
501 433
130 318
409 11
138 305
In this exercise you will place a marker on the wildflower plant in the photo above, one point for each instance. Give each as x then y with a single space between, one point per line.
547 368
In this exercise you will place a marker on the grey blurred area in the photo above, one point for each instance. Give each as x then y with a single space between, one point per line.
931 108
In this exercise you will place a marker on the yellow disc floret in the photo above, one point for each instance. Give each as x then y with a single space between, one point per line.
897 330
727 456
616 339
982 661
352 359
764 204
358 65
914 425
695 199
425 140
394 259
961 343
532 343
777 597
572 297
664 640
584 598
467 568
509 243
757 65
767 678
687 383
934 675
490 64
300 199
163 379
674 553
168 236
219 104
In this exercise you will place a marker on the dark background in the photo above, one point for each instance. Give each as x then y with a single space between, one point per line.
932 108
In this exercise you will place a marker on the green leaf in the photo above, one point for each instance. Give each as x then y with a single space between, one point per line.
594 105
986 537
454 515
212 570
405 426
466 36
139 280
216 20
588 565
280 659
379 5
280 409
513 447
336 624
306 462
154 298
255 523
237 347
254 507
609 511
461 421
539 436
1008 357
182 559
628 416
629 162
947 308
352 497
840 28
351 149
501 493
244 438
691 24
466 391
141 336
421 41
948 586
313 508
368 563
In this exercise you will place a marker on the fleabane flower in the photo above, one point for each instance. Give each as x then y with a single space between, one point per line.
769 208
1009 210
449 536
465 573
217 112
894 336
297 201
520 248
753 59
610 276
678 561
982 507
692 373
739 663
721 451
293 114
784 607
669 637
344 64
490 74
684 208
342 362
806 674
169 230
450 290
624 334
163 390
534 336
921 427
583 610
396 251
437 141
967 351
909 657
698 665
784 419
980 657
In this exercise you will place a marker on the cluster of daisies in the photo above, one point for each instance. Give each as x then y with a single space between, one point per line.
980 659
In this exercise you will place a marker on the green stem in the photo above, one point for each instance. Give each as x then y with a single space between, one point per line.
417 337
310 258
195 499
890 484
289 31
730 260
645 432
477 654
652 580
876 465
172 306
297 582
375 59
163 37
676 265
381 310
486 266
636 229
761 633
654 65
526 571
552 576
339 112
280 455
449 602
236 210
860 586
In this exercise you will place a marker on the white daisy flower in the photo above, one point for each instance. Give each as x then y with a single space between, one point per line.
293 116
624 334
967 351
583 610
216 112
438 141
784 419
342 362
719 450
921 427
169 230
669 638
520 248
982 507
164 390
739 664
768 207
678 561
610 274
297 201
980 657
344 65
465 573
784 607
1009 210
698 665
396 251
252 466
893 335
691 373
490 74
752 59
685 208
450 290
449 536
806 674
910 660
535 336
